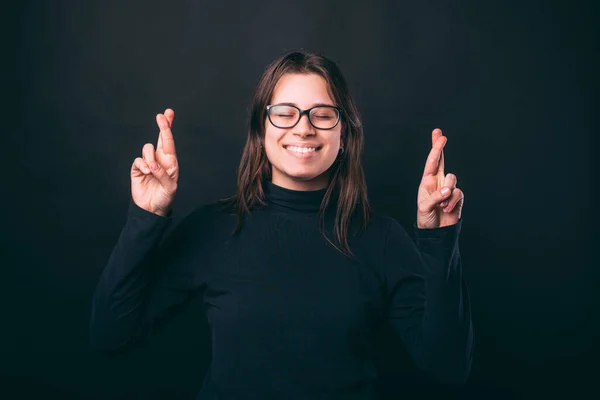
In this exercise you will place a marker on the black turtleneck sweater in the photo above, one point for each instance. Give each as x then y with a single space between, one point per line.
290 316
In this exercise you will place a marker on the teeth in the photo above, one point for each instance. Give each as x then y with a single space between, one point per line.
302 149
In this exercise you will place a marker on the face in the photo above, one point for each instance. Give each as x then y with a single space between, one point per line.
293 168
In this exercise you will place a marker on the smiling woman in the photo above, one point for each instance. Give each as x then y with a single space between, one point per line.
279 134
301 154
295 272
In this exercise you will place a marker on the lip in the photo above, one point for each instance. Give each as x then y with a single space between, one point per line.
305 145
302 156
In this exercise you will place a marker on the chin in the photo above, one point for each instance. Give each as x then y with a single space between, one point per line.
303 176
305 171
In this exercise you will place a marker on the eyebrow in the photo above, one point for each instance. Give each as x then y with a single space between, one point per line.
311 106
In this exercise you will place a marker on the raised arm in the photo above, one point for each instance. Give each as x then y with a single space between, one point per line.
428 296
144 279
428 299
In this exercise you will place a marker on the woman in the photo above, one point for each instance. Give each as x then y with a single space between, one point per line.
295 273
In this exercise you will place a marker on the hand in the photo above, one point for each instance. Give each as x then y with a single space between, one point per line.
435 207
154 176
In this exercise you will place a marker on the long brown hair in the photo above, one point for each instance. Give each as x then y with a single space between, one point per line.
347 187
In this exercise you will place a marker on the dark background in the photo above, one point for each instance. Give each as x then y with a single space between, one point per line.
509 82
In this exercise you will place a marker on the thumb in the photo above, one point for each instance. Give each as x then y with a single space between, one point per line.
434 199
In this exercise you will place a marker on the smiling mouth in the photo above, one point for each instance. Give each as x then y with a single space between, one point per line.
302 150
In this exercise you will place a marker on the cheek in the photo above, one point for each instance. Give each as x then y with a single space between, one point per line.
334 142
272 138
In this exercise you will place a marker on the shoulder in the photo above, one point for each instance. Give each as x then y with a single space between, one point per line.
209 213
382 230
385 232
205 220
384 241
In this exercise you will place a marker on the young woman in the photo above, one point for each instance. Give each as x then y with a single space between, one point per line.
295 272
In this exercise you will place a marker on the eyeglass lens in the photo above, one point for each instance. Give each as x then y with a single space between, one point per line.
286 116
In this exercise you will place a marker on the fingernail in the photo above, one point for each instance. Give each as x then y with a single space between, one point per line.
154 166
445 191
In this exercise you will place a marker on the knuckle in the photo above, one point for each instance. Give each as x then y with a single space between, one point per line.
171 171
160 171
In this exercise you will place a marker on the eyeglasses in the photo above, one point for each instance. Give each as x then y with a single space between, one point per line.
287 116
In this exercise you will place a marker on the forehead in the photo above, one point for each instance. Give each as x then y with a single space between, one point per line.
304 90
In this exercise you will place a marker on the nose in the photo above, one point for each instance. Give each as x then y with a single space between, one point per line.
303 127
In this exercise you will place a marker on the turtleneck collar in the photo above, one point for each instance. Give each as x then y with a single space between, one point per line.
293 200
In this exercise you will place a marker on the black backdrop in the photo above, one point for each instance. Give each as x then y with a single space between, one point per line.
509 82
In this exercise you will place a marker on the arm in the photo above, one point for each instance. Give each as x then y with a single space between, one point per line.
143 282
428 299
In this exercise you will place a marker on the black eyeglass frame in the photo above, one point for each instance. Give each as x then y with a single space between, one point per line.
301 113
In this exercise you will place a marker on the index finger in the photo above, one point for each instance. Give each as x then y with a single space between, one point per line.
435 160
440 170
166 141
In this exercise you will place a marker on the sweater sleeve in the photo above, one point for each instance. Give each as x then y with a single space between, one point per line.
144 281
428 299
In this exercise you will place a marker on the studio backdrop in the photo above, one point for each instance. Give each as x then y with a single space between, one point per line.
509 83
